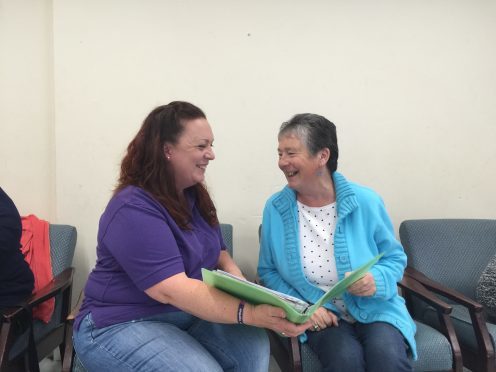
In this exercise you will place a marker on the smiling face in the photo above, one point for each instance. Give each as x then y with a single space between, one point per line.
191 154
298 165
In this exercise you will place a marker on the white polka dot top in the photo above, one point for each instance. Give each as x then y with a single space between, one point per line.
317 225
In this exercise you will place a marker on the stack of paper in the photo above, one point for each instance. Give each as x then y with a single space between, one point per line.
297 311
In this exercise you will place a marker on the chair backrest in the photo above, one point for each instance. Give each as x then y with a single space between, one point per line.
227 234
453 252
62 245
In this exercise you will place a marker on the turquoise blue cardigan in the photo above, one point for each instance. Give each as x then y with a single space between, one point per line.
363 230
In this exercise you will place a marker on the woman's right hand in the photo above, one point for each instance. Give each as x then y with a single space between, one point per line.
274 318
323 318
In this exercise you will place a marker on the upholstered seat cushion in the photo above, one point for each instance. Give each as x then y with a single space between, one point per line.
309 360
434 352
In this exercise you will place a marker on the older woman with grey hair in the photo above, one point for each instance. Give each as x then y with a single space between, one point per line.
315 230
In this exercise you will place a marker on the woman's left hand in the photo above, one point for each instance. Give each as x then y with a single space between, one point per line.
364 286
321 319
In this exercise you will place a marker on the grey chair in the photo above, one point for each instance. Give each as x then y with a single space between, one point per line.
448 256
71 362
24 341
227 234
437 350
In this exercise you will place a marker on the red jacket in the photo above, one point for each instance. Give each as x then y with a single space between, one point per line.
35 243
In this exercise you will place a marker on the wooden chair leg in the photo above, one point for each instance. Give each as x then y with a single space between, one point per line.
294 354
287 356
5 330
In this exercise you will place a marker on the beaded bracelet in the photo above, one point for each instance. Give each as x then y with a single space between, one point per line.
241 308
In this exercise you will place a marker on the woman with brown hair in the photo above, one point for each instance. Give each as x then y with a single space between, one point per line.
145 305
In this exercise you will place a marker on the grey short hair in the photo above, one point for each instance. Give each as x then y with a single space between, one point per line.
316 133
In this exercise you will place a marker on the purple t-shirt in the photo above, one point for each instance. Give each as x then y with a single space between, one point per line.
139 245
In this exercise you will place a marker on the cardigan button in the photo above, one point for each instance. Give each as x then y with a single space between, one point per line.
343 259
363 315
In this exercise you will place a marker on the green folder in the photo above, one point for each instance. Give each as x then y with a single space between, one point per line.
297 311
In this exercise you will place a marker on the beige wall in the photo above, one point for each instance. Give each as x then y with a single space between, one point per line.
27 145
411 86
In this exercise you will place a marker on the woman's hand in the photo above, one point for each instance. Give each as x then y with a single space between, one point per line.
321 319
274 318
364 286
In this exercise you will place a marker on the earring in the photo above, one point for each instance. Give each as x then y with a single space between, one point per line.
168 157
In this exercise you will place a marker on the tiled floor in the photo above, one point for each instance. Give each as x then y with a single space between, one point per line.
49 365
273 367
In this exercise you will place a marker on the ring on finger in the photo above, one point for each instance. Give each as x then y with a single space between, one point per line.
316 327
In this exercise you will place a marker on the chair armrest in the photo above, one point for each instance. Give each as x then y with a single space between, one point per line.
444 291
475 309
413 287
52 289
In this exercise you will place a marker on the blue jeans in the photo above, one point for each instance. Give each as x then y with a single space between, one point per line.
360 347
173 342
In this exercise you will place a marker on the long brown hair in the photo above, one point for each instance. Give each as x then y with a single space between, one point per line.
145 166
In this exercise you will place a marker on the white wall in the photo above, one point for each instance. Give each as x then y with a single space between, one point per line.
411 86
27 151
